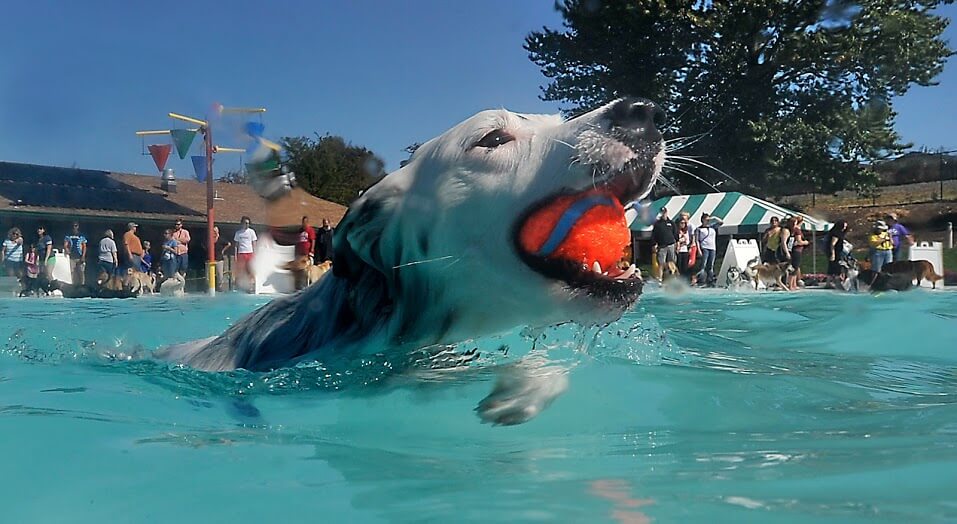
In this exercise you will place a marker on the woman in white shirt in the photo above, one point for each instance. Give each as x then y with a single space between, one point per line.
245 240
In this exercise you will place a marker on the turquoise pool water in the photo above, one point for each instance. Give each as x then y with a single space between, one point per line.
708 407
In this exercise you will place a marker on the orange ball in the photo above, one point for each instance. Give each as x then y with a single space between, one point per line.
585 228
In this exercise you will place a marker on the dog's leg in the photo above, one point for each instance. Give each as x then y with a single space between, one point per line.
522 391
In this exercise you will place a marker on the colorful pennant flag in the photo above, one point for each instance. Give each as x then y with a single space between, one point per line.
255 129
183 139
199 167
160 154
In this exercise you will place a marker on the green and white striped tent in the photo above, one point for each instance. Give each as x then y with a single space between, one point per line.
742 214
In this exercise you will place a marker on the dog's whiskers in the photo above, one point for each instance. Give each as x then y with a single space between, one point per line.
689 173
423 261
705 164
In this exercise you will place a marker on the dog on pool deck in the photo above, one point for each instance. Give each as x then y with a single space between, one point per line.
482 231
770 274
139 282
304 272
918 270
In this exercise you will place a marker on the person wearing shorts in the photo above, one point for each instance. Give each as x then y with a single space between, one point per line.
245 242
181 236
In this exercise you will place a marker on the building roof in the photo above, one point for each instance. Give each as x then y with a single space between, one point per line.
48 190
742 214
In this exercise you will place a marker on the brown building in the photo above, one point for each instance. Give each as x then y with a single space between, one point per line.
31 195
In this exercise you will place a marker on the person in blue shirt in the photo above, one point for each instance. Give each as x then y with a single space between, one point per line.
168 260
900 237
146 262
44 249
74 245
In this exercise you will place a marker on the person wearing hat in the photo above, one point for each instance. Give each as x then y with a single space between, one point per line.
882 248
899 235
132 246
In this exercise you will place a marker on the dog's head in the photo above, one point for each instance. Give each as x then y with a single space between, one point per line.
493 216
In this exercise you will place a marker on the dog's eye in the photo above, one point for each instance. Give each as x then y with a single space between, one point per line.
495 139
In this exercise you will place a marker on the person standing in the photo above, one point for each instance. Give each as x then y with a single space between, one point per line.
44 250
108 259
306 241
146 263
245 240
797 244
220 245
771 241
132 247
324 242
664 235
882 248
168 257
181 236
75 245
836 254
685 244
12 253
707 237
900 236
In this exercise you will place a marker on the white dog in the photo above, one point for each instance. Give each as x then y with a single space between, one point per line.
174 286
445 249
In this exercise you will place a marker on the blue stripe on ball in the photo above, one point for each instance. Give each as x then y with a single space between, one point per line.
569 218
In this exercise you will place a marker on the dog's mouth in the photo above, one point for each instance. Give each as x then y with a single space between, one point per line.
580 236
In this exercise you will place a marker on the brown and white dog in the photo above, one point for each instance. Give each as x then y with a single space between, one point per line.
769 274
111 282
139 282
305 272
919 270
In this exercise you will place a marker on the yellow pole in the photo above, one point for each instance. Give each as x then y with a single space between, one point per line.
189 119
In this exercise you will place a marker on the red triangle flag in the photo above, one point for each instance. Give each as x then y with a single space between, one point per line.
160 154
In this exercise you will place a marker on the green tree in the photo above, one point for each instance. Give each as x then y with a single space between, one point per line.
782 94
331 168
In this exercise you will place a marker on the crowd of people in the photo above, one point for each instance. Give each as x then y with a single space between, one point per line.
692 251
33 259
678 244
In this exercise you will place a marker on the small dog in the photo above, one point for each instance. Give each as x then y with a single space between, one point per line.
111 282
139 282
35 286
669 271
872 281
174 286
919 270
304 272
769 274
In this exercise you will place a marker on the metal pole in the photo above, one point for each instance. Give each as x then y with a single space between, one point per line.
940 174
814 251
210 218
950 235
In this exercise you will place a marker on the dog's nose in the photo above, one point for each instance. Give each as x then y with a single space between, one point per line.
638 114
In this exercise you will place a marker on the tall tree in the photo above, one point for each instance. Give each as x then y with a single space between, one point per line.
782 94
331 168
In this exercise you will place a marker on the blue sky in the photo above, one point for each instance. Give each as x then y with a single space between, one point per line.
78 78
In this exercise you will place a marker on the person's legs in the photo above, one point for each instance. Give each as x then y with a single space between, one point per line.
79 272
661 255
219 275
672 253
182 263
709 256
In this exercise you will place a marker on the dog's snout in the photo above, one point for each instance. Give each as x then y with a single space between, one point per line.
637 113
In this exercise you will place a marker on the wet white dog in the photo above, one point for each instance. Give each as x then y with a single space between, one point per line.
174 286
444 250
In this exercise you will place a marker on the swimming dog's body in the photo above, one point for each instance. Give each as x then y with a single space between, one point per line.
870 280
918 270
443 250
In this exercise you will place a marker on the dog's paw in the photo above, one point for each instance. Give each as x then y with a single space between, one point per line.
519 397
